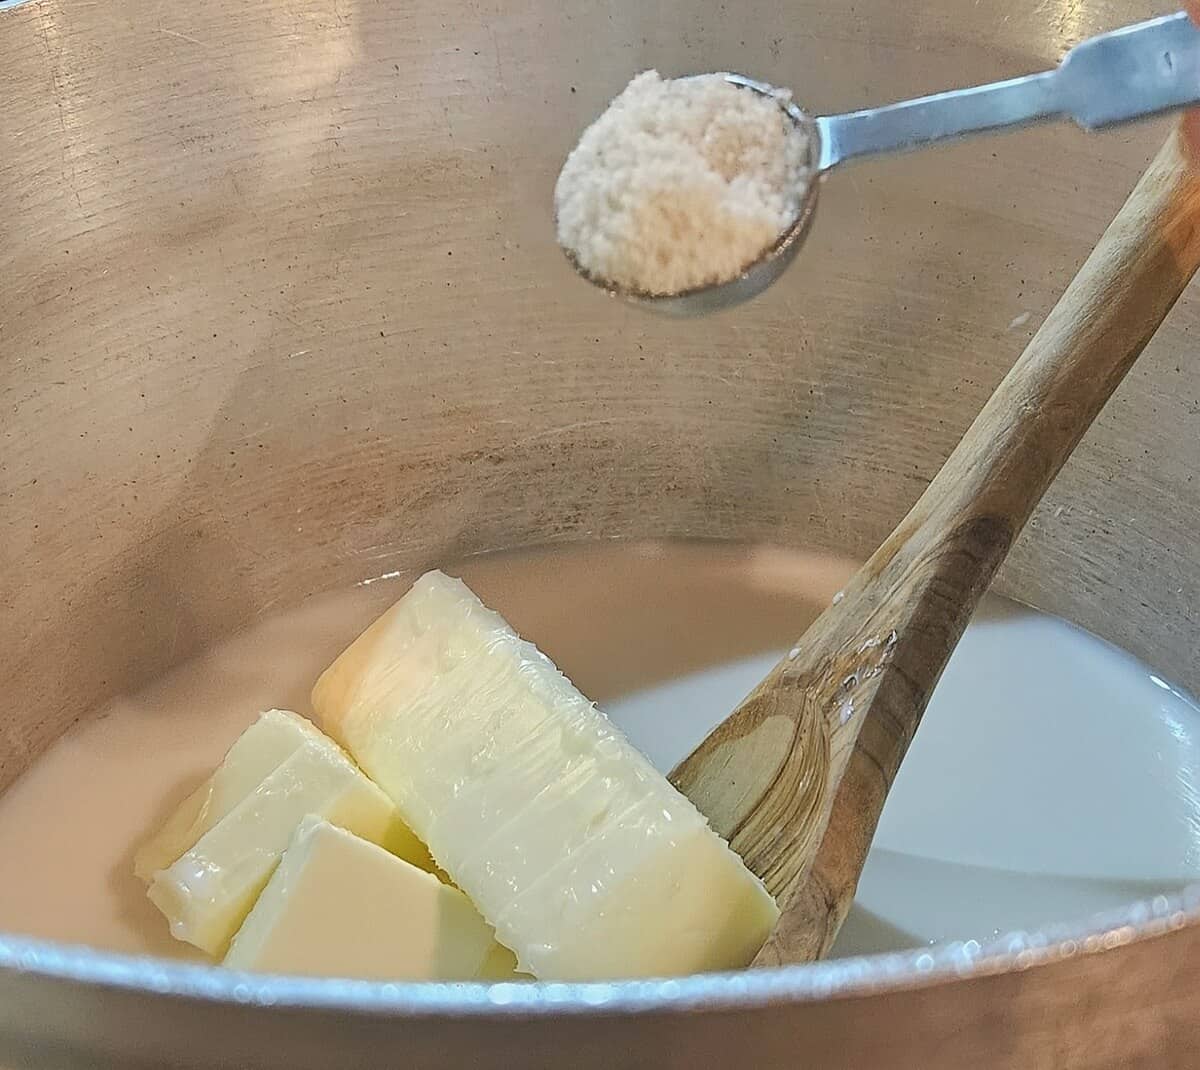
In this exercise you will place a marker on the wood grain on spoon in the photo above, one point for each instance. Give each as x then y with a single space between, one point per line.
796 777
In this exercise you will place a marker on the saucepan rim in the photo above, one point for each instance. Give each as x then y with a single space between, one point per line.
813 982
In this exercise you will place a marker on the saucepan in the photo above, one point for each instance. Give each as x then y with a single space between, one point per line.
281 308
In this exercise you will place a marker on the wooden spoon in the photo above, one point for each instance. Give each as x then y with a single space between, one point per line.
796 777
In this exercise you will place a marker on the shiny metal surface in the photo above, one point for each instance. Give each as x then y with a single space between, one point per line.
825 1013
1130 73
282 309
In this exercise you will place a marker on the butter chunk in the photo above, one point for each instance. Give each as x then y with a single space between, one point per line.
208 891
257 753
584 857
338 906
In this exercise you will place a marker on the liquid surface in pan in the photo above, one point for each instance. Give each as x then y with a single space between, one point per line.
1053 775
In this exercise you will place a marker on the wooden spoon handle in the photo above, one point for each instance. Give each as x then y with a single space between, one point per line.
991 484
1042 408
797 776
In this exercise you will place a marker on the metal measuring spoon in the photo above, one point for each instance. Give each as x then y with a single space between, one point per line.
1130 73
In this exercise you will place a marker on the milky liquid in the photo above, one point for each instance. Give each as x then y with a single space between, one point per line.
1052 777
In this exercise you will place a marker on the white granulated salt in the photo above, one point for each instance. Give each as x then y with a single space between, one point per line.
681 183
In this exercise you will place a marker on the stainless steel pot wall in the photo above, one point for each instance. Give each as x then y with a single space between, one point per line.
280 308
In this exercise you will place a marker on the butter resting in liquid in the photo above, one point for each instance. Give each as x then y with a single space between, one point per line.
339 906
208 890
587 861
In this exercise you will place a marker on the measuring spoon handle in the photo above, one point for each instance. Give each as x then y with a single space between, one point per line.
1130 73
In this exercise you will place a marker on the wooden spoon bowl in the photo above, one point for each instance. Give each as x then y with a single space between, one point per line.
797 775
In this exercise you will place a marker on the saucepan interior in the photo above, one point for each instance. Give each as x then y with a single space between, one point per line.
282 310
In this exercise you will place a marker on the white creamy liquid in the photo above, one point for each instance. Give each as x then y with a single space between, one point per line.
1053 776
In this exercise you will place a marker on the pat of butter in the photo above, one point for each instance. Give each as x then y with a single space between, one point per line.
207 892
256 753
585 858
338 906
